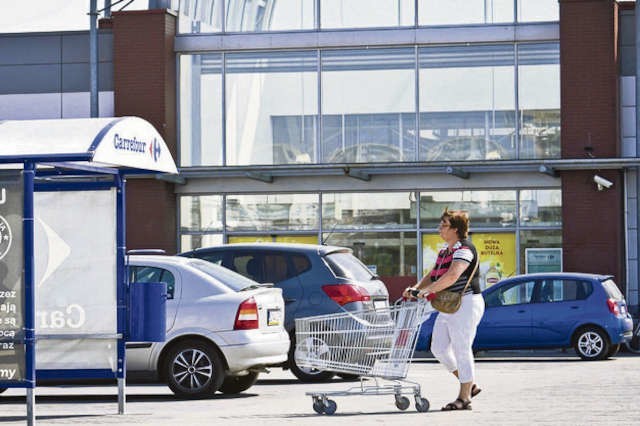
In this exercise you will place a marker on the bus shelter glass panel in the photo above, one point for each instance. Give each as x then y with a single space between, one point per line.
467 103
391 255
200 16
539 100
272 212
367 210
272 99
76 302
460 12
269 15
368 105
541 207
538 10
201 110
366 13
201 213
485 208
549 239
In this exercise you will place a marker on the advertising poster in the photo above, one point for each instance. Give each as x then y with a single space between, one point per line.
12 347
497 255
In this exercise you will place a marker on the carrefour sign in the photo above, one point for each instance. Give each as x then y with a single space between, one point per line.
153 148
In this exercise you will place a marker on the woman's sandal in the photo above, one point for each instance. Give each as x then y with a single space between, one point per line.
475 390
458 404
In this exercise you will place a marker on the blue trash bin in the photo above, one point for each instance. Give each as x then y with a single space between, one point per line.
147 312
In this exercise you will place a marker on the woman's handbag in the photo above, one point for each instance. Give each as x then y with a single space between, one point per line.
450 301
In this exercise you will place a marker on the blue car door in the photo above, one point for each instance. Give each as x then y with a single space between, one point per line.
559 307
507 317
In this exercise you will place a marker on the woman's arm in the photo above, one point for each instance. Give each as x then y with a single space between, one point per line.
424 282
447 279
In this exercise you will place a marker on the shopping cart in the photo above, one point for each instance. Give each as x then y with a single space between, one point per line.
374 344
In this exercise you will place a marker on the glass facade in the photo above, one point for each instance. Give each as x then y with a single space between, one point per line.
327 106
205 16
338 101
385 229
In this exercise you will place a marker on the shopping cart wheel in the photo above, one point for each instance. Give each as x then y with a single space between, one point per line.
330 407
318 407
422 404
402 402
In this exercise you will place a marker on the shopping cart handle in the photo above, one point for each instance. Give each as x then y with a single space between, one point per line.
414 292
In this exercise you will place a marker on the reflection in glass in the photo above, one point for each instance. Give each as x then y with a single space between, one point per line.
538 10
539 100
467 103
271 103
272 212
368 100
390 255
201 16
201 110
192 242
457 12
538 239
200 213
542 207
366 13
485 208
269 15
367 210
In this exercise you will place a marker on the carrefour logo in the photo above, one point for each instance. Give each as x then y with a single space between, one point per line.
134 145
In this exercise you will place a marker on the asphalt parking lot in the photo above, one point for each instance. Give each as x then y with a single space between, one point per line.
519 388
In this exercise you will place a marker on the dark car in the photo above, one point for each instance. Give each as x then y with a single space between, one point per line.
551 310
315 280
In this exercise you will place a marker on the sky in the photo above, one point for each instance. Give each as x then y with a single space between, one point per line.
53 15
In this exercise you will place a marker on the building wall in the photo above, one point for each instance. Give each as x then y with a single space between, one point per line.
593 234
46 75
144 80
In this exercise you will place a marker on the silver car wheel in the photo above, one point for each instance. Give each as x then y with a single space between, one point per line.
192 369
590 344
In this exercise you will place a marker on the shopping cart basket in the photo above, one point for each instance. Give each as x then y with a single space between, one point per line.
376 344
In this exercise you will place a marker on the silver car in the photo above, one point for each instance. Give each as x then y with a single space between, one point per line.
222 328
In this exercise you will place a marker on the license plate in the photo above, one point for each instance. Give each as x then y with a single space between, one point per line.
380 304
274 317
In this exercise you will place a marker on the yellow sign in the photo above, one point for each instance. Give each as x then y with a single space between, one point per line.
302 239
497 254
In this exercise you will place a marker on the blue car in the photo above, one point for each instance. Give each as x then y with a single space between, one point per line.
551 310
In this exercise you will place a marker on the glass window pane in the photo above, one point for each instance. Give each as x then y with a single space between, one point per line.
390 255
200 16
200 213
367 210
201 110
272 212
269 15
467 103
194 241
538 10
486 208
539 100
540 239
368 104
272 102
541 207
366 13
456 12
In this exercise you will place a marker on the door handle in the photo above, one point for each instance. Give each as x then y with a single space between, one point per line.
575 307
289 300
521 311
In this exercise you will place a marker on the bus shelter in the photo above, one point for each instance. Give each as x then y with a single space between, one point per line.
63 284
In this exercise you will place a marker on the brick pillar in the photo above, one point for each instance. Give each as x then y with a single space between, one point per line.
593 221
145 86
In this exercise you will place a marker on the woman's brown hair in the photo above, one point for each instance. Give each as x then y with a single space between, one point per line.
459 220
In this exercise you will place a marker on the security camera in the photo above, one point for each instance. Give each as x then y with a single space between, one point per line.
602 182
